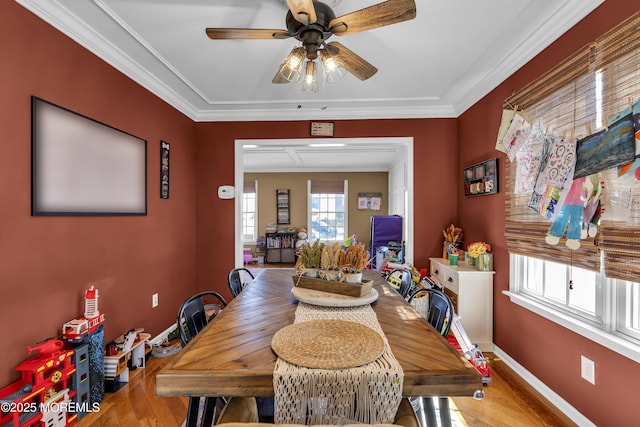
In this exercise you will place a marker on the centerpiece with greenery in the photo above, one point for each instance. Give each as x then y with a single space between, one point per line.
308 263
330 261
352 261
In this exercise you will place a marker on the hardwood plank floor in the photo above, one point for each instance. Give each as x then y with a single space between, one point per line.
508 401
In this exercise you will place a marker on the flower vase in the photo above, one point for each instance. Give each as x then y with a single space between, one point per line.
485 262
333 275
352 277
310 272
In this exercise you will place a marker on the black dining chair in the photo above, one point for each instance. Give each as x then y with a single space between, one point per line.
439 313
400 279
193 316
238 279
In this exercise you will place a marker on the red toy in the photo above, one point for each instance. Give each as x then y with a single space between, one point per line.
45 381
77 330
460 340
47 347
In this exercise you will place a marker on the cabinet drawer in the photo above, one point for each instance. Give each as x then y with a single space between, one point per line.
451 281
288 255
273 255
437 272
445 275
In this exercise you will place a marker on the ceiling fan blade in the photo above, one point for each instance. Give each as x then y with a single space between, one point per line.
245 33
351 61
378 15
302 11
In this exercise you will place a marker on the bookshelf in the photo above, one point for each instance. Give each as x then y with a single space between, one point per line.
281 247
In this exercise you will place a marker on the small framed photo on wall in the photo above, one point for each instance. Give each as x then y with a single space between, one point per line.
481 179
164 170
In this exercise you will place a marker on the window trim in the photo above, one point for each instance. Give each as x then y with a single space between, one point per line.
346 210
606 337
255 228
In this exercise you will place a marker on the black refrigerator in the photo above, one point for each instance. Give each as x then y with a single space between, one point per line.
386 230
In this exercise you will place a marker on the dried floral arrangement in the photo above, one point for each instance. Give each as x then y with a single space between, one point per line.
354 259
453 235
330 259
310 256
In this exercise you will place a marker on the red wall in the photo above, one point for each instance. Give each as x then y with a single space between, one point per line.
548 351
435 152
46 263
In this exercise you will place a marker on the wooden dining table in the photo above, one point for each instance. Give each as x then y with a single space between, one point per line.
232 355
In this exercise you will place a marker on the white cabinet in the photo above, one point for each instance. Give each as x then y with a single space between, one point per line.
471 292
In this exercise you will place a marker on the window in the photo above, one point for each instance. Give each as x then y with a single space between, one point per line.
249 211
571 289
628 309
328 210
602 309
593 291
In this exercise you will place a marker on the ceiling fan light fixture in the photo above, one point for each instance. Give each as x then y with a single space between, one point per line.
310 82
334 70
290 68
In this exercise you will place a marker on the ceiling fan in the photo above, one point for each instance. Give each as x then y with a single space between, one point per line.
312 23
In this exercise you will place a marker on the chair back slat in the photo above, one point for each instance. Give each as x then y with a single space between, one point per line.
192 316
440 311
236 282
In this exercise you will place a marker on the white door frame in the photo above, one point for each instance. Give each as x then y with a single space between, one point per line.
408 161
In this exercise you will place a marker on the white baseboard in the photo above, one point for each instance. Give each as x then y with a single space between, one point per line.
549 394
162 336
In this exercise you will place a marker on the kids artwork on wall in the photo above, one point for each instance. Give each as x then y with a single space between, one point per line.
529 160
482 178
608 148
369 201
516 136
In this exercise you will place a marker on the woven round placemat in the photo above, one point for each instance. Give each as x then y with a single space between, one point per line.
327 344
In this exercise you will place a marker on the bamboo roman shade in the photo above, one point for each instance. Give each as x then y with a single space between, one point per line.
526 230
575 99
327 187
249 186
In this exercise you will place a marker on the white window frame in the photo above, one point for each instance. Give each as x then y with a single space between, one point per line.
609 331
346 212
255 213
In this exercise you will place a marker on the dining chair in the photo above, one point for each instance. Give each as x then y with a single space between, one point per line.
401 280
439 313
238 280
193 316
239 411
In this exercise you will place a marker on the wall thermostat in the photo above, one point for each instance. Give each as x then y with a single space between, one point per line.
226 192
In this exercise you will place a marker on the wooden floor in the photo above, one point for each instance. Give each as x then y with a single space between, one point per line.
508 401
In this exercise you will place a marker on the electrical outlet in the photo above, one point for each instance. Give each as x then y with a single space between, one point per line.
588 369
154 300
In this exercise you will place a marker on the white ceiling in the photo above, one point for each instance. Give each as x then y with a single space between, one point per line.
436 65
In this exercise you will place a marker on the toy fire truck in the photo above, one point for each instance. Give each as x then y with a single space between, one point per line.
77 330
